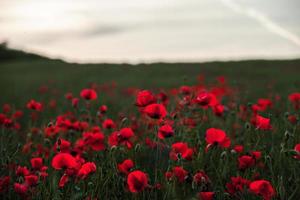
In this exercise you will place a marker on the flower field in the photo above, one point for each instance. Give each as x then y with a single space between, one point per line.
150 132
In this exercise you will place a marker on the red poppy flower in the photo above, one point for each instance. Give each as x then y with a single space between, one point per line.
181 149
261 123
292 119
238 148
218 110
179 173
137 181
103 109
94 140
121 137
88 94
63 180
237 184
165 131
108 124
145 98
63 160
201 177
4 183
156 111
36 163
297 149
206 195
31 180
34 105
295 99
126 166
20 188
185 90
86 169
22 171
262 188
246 162
64 146
206 99
217 136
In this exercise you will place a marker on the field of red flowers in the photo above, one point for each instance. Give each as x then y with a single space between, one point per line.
206 140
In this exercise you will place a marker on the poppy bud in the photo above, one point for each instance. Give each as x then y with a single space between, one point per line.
286 114
59 142
137 147
223 155
247 126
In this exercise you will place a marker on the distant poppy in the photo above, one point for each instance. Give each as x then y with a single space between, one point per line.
145 98
165 131
237 184
297 149
34 105
31 180
88 94
20 188
181 150
217 137
125 166
206 99
36 163
261 123
206 195
156 111
86 169
94 140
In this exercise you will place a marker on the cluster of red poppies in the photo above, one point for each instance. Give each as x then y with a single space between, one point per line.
197 141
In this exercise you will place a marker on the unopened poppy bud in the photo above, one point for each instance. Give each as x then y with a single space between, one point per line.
179 157
286 136
47 141
59 142
124 120
137 147
50 124
113 148
90 183
286 114
77 188
247 126
223 155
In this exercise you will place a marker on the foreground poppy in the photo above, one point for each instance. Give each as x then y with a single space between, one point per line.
137 181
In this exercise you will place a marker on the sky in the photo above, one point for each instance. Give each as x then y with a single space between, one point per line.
137 31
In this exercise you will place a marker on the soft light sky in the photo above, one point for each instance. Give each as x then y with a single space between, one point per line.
157 30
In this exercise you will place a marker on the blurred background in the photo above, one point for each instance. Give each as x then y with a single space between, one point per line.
137 31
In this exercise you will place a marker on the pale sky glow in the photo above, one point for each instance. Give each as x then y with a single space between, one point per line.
157 30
